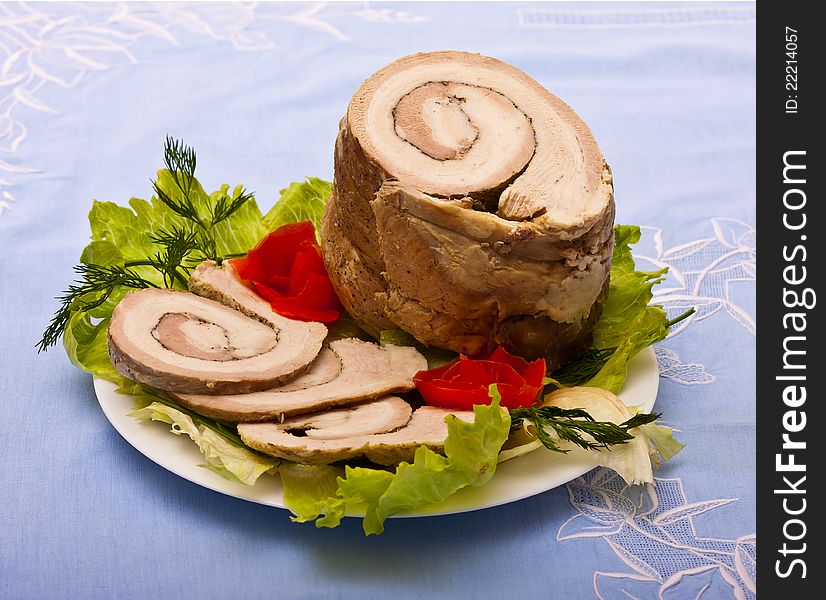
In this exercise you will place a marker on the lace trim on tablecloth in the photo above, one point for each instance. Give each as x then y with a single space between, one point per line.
623 17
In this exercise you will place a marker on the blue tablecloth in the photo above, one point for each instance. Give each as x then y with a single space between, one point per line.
87 94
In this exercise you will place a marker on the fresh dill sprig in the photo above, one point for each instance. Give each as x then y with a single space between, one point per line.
571 424
180 248
583 368
180 162
96 281
226 206
679 318
177 245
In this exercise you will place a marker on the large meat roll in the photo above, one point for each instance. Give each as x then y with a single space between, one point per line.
471 207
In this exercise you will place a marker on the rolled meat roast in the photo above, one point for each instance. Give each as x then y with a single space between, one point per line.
471 208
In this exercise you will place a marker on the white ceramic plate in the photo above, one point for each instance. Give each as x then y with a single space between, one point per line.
515 479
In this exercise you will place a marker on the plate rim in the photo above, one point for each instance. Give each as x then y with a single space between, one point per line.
642 373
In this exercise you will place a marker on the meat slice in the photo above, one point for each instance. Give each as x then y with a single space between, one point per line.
180 342
471 208
427 427
375 416
223 285
345 372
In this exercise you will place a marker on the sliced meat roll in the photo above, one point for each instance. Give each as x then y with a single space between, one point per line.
345 372
471 207
374 416
223 285
180 342
427 427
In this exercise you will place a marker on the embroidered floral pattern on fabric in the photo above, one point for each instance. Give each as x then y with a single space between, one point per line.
686 373
651 529
704 273
44 44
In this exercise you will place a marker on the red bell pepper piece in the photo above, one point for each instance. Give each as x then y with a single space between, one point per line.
287 270
465 381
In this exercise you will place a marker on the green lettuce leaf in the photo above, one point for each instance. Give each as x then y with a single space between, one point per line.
101 252
84 338
346 327
360 490
302 201
663 439
229 460
307 487
87 347
471 452
629 294
121 234
633 460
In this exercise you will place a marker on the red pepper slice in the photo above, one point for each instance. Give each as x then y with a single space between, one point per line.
286 269
275 253
464 382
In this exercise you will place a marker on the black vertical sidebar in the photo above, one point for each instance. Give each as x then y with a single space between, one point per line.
791 371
